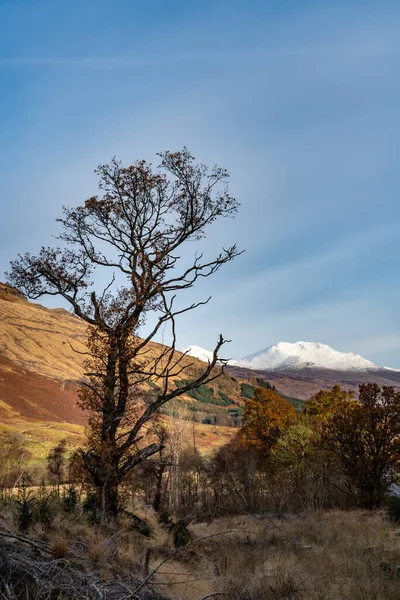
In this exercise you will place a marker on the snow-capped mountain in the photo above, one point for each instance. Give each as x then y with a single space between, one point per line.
198 352
286 356
303 355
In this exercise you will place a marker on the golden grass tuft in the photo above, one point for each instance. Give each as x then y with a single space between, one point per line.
59 547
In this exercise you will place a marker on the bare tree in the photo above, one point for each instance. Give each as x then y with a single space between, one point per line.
136 230
178 429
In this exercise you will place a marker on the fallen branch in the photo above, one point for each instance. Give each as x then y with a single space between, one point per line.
25 540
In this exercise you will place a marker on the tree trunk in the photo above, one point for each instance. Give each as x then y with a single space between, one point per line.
158 494
105 481
109 500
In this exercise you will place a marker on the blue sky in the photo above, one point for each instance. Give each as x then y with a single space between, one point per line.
299 100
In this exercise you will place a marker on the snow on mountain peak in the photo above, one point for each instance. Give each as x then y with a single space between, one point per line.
198 352
300 355
293 356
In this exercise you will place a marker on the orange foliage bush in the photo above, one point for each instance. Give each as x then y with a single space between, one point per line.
266 416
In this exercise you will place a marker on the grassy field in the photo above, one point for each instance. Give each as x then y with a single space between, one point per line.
317 556
329 555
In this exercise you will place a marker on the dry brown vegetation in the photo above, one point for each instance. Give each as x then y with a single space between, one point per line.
328 555
317 556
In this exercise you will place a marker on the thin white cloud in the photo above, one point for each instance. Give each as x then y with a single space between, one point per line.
128 62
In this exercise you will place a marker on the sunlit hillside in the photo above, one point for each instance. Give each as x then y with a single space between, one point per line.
41 364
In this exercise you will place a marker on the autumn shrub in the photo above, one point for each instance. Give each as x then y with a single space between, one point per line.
236 481
266 416
363 435
327 402
304 475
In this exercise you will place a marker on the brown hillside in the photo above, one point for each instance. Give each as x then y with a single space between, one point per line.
41 364
40 372
25 395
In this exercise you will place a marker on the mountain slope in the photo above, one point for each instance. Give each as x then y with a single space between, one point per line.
41 365
42 352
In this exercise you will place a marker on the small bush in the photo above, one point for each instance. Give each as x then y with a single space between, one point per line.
45 506
180 533
247 390
138 524
70 500
24 508
45 510
90 507
164 518
225 399
393 505
205 394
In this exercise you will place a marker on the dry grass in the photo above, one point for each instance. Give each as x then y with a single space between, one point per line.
321 556
330 555
39 339
59 547
74 560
